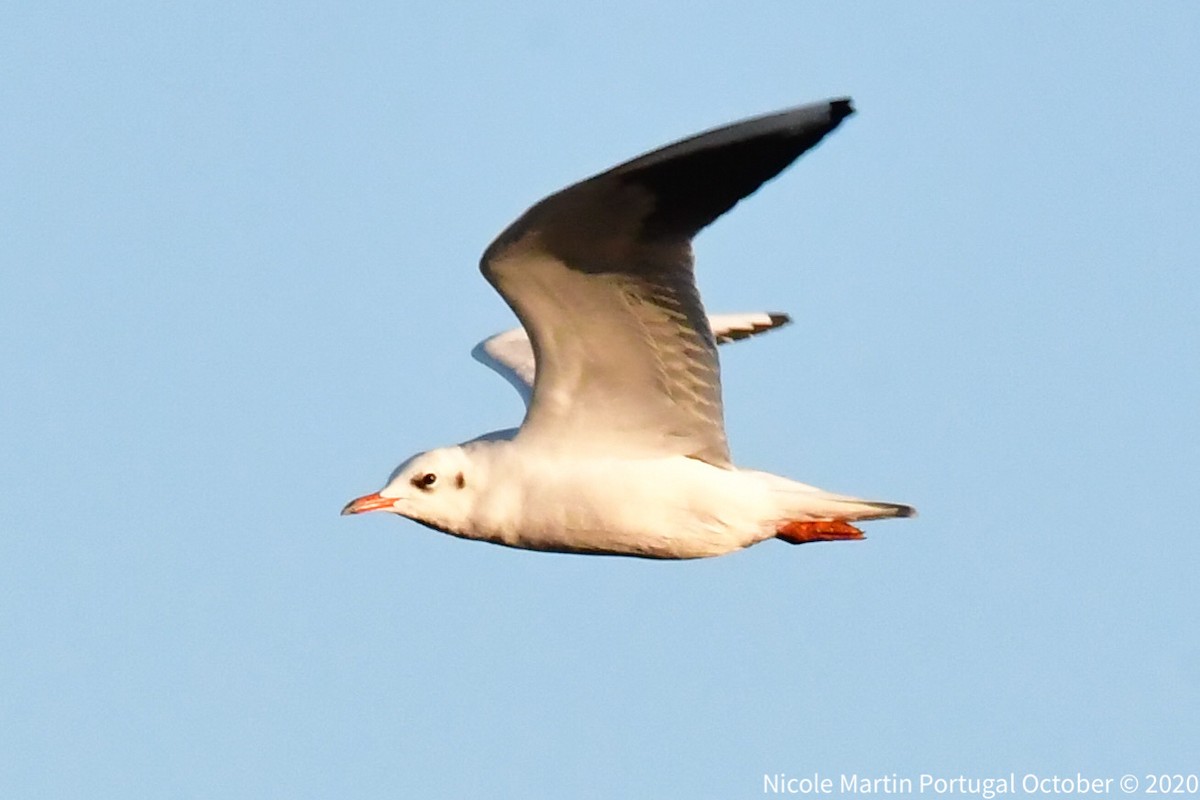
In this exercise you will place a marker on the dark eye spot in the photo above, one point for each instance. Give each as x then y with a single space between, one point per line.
459 480
425 481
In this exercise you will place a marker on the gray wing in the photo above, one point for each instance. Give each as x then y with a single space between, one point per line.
510 354
600 275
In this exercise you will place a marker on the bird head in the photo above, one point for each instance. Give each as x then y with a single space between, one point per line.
434 488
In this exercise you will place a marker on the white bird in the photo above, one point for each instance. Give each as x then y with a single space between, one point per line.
622 450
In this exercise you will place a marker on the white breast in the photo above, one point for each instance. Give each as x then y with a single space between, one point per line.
667 508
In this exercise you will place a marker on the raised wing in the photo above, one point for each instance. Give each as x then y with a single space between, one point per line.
510 355
600 275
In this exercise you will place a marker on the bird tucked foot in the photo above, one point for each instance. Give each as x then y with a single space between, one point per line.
821 531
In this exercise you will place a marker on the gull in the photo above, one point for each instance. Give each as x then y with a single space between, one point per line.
622 450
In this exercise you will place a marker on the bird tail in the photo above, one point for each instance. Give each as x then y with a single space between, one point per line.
813 515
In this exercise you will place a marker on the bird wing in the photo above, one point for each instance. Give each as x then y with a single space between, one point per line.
510 355
600 275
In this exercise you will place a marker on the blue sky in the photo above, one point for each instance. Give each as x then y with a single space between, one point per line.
239 285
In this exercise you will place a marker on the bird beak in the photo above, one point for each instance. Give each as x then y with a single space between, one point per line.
370 502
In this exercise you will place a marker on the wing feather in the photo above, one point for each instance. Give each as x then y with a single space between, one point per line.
601 276
510 354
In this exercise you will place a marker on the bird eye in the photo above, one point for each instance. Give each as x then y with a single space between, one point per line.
425 481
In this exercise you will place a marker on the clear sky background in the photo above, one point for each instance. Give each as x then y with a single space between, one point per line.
238 284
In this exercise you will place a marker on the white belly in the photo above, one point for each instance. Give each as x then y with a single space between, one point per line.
656 508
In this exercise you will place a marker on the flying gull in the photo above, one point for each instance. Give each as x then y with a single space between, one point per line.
622 450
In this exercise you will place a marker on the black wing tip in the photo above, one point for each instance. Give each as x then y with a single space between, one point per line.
898 510
890 511
775 319
840 109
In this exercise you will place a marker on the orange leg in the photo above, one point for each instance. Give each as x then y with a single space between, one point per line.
821 531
